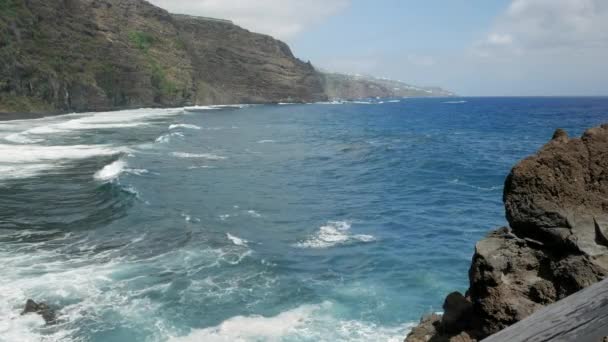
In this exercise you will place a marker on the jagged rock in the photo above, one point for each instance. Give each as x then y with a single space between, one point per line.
457 313
559 195
428 331
41 309
425 330
557 206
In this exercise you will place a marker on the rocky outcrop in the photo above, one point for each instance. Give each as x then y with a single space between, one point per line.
557 207
41 309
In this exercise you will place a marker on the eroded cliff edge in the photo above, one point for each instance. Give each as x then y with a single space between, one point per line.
93 55
75 55
556 244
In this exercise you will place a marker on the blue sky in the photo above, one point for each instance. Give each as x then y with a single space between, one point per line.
472 47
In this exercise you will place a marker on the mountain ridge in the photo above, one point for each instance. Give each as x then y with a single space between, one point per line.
95 55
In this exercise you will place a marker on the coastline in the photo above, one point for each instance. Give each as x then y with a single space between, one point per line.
556 243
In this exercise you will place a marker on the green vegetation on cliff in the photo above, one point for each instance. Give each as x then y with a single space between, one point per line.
77 55
87 55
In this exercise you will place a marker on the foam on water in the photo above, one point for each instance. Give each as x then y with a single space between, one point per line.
332 234
208 156
20 171
309 322
236 240
101 120
175 126
20 138
111 171
34 153
254 213
266 141
165 138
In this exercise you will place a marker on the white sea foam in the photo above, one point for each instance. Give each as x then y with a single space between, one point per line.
21 138
455 102
34 153
394 101
206 108
103 120
236 240
267 141
309 322
200 167
334 102
188 126
21 171
332 234
165 138
253 213
111 171
207 156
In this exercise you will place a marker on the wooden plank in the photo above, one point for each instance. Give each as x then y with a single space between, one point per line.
581 317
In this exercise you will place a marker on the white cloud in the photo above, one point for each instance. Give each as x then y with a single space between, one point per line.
280 18
532 26
500 39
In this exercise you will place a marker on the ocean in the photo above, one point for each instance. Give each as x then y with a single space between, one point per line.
304 222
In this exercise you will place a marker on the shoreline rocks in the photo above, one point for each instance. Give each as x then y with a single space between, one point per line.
556 204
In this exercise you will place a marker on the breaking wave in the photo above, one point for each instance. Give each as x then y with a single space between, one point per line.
332 234
208 156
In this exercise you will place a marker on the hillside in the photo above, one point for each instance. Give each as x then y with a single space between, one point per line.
105 54
342 86
91 55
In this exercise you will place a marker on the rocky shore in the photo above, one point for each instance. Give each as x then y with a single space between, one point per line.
556 244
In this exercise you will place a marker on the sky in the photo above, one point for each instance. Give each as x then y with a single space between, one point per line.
471 47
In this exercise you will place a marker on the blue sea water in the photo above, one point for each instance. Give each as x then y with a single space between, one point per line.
319 222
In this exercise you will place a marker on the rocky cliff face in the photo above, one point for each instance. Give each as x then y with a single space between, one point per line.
73 55
557 207
89 55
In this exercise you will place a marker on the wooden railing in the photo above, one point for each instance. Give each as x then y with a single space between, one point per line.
581 317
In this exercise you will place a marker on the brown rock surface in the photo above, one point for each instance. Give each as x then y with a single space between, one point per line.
557 206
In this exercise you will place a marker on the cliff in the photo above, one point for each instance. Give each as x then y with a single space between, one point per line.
349 87
556 244
75 55
92 55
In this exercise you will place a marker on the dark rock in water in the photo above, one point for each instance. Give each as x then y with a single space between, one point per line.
557 244
42 309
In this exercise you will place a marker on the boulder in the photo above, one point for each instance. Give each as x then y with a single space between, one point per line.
560 195
41 309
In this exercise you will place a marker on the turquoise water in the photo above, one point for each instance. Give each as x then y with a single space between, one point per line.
319 222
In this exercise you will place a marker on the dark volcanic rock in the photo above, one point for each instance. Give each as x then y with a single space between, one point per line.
557 207
560 195
457 313
41 309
